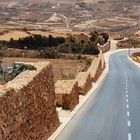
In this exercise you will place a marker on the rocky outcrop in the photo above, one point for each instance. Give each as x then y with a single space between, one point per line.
27 105
67 94
84 82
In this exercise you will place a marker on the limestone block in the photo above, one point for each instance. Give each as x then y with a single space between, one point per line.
67 94
84 82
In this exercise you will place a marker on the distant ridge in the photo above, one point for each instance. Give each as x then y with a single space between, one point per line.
68 1
52 1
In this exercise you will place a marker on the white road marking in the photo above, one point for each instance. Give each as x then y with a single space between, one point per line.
128 114
128 123
129 136
127 100
127 106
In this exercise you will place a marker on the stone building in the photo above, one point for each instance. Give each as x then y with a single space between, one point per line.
78 39
82 38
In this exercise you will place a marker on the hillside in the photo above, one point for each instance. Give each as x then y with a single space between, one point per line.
52 1
122 16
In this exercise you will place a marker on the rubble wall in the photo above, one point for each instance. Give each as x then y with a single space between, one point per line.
27 105
106 47
67 94
84 82
95 68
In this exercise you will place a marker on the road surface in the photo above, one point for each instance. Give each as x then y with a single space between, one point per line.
114 114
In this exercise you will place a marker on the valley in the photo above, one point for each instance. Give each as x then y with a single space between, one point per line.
111 16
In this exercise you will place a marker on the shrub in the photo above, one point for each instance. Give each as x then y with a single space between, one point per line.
105 36
101 40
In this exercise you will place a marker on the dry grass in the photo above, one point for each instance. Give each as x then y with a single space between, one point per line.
43 33
56 34
21 34
13 34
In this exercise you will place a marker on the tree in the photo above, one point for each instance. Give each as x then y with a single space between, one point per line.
101 40
51 41
93 36
72 39
105 36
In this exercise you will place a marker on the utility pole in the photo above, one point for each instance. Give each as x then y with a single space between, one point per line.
129 51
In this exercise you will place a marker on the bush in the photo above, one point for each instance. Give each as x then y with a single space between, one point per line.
88 49
94 36
29 67
85 58
34 42
101 40
50 53
64 48
76 48
105 36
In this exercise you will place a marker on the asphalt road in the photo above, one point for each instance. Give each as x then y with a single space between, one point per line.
114 113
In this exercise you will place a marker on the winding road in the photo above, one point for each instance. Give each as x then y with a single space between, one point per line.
114 113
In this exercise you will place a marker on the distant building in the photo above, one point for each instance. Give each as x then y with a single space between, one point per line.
78 39
82 38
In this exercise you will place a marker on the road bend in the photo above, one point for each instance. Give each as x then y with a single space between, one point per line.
114 113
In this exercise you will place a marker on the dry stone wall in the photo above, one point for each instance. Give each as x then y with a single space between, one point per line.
84 82
106 47
67 94
27 105
67 90
95 69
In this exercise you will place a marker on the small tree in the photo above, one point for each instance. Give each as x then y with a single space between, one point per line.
93 36
101 40
105 36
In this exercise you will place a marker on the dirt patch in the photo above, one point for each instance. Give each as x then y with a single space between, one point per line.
28 101
13 34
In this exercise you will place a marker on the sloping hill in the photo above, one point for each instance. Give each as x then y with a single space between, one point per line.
68 1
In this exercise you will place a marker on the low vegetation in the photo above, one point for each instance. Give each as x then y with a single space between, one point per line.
11 72
34 42
53 47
